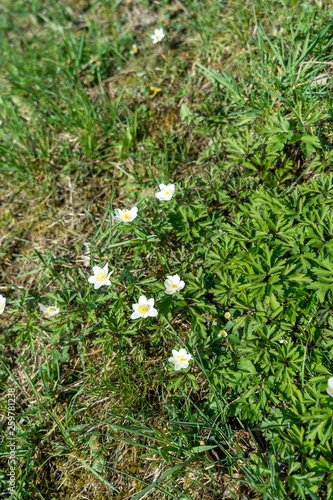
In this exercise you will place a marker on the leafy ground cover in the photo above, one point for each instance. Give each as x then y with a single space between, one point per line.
234 108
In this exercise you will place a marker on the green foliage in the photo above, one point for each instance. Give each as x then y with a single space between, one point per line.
249 230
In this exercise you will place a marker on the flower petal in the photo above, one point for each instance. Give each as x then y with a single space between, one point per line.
97 269
329 389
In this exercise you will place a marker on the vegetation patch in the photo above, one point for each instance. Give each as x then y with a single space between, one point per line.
166 250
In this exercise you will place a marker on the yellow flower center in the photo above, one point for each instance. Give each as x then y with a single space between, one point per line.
167 192
181 359
51 310
143 308
100 276
174 286
126 215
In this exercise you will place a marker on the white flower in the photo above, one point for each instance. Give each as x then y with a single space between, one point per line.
49 312
134 50
173 284
158 35
125 215
227 315
283 341
2 303
144 308
166 192
101 276
329 389
180 358
223 334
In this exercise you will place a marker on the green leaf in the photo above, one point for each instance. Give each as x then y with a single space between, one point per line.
247 366
200 449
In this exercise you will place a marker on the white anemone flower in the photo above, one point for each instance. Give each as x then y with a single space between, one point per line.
144 308
50 311
125 215
166 192
180 358
101 276
173 284
2 303
227 315
158 35
329 389
134 50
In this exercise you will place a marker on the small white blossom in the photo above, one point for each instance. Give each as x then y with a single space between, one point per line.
283 341
134 50
2 303
166 192
180 358
125 215
144 308
49 312
173 284
223 334
101 276
227 315
329 389
158 35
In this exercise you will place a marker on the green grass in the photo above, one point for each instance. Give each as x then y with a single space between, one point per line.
234 107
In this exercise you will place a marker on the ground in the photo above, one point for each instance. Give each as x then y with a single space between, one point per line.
233 107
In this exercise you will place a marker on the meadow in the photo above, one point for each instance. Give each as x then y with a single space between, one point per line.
166 249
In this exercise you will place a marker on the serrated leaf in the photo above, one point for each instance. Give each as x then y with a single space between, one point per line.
247 366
